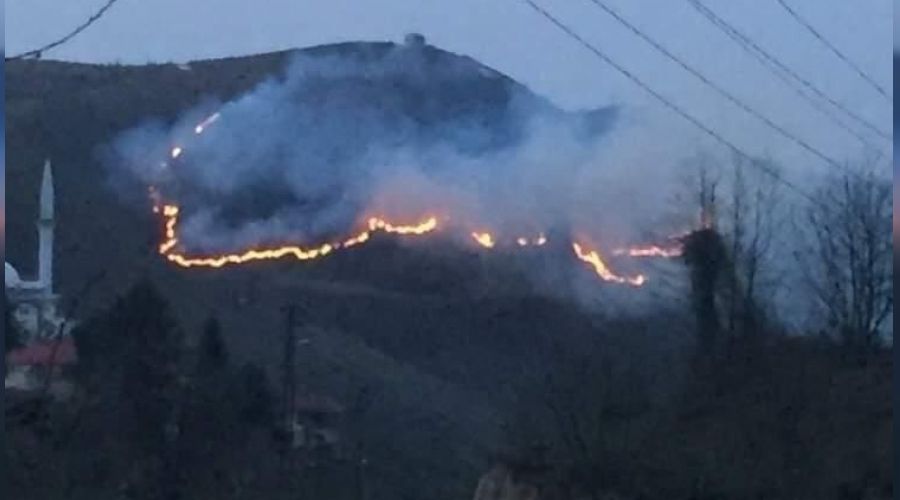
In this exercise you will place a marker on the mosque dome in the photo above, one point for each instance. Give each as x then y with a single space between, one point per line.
11 276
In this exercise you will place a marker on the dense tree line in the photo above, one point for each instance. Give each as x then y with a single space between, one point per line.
155 417
755 412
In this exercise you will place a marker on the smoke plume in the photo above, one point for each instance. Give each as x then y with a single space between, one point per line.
399 131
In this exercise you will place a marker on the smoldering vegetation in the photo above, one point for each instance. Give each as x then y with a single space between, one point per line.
306 154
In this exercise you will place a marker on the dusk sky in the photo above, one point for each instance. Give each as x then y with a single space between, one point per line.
512 38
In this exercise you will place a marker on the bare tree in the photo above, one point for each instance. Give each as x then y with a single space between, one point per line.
694 198
753 214
742 205
847 261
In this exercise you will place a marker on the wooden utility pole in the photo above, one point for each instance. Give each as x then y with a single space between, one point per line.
289 380
361 491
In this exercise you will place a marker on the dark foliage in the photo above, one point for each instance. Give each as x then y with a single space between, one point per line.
213 356
11 335
705 255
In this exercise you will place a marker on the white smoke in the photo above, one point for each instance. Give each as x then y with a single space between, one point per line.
335 138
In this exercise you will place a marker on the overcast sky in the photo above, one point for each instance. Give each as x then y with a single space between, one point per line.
508 36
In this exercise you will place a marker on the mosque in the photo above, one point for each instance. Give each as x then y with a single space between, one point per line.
33 302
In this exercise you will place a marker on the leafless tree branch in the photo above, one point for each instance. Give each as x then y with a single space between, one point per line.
848 260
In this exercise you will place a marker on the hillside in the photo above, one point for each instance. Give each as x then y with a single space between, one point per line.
461 356
70 112
412 319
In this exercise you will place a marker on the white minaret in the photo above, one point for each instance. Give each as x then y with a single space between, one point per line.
45 231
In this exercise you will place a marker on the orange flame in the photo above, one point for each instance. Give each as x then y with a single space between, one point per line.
426 226
540 241
277 253
488 240
171 212
484 239
649 251
593 258
356 240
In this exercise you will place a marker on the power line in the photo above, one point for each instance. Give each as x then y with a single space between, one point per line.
803 22
781 71
52 45
709 83
665 101
773 64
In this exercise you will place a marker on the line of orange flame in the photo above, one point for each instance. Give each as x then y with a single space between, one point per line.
649 251
170 215
593 258
375 224
484 239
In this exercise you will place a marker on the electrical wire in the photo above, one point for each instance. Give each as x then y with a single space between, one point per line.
809 27
665 101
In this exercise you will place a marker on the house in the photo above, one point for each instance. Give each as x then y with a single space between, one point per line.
42 365
316 427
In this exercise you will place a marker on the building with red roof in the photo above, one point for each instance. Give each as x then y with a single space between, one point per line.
30 367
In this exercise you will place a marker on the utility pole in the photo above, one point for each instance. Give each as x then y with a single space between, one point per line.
289 380
361 491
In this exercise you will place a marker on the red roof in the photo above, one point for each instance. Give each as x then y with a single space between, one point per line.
47 352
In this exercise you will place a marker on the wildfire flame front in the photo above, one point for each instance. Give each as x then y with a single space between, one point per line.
169 247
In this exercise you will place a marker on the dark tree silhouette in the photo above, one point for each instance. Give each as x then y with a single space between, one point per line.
255 398
213 355
705 255
129 362
848 261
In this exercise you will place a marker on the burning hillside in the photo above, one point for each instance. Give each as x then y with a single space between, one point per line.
169 247
410 141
